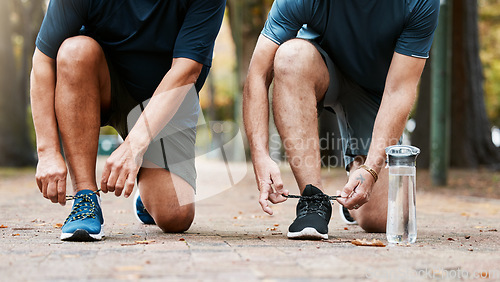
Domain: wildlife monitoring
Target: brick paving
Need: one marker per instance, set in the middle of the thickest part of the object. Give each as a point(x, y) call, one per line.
point(232, 239)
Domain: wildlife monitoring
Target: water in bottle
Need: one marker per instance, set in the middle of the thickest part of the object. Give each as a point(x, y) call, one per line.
point(401, 209)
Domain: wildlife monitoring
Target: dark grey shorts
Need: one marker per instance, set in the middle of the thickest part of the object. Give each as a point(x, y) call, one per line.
point(172, 149)
point(355, 108)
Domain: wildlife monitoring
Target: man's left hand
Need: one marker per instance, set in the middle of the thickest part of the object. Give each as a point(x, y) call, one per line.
point(358, 189)
point(121, 170)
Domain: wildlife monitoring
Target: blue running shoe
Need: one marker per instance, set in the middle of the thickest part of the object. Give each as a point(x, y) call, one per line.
point(140, 211)
point(85, 221)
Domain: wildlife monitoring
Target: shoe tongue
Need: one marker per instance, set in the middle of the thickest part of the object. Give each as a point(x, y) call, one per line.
point(93, 196)
point(311, 190)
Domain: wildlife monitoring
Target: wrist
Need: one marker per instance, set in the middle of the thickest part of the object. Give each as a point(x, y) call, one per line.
point(371, 171)
point(48, 151)
point(137, 144)
point(375, 163)
point(259, 153)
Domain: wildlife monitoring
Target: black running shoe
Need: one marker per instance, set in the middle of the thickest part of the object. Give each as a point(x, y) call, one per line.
point(313, 214)
point(346, 216)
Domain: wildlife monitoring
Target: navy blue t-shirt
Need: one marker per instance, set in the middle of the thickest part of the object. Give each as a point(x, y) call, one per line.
point(360, 36)
point(139, 37)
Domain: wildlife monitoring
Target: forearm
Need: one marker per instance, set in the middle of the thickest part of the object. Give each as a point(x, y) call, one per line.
point(256, 115)
point(42, 94)
point(397, 102)
point(165, 102)
point(389, 126)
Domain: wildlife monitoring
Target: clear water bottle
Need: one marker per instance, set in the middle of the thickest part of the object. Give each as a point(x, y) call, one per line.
point(401, 209)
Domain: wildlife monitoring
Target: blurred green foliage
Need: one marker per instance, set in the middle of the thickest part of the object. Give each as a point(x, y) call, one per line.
point(489, 29)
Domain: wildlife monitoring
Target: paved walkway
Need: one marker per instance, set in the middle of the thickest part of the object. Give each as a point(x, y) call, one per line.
point(232, 239)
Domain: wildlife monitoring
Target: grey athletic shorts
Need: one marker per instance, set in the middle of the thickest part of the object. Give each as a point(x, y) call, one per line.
point(174, 147)
point(355, 108)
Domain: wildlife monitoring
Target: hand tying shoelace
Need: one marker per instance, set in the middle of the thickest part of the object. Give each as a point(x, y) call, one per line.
point(314, 197)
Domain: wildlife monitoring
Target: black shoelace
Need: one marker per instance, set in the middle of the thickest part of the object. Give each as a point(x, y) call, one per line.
point(317, 196)
point(313, 204)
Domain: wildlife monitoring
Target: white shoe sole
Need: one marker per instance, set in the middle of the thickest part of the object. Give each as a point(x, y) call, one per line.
point(82, 235)
point(307, 233)
point(341, 213)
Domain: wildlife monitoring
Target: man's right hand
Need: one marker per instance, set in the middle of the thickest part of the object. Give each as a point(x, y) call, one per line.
point(51, 177)
point(267, 174)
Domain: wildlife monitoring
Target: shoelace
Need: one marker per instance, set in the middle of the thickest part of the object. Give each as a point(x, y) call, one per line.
point(317, 196)
point(71, 197)
point(314, 204)
point(79, 210)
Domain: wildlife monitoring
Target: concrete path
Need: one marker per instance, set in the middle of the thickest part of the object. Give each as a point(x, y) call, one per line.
point(232, 239)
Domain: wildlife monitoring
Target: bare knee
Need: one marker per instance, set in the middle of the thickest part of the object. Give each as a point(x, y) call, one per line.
point(295, 56)
point(79, 53)
point(371, 223)
point(175, 220)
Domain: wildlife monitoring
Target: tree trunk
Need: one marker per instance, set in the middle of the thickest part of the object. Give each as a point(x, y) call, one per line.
point(471, 144)
point(15, 148)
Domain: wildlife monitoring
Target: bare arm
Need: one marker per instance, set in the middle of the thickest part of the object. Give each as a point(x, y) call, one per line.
point(51, 169)
point(256, 119)
point(397, 102)
point(123, 165)
point(255, 96)
point(398, 99)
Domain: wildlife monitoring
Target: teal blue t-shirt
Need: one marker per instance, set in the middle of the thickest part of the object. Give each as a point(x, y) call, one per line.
point(360, 36)
point(140, 37)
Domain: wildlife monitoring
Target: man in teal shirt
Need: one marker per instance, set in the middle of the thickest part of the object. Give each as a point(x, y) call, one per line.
point(361, 59)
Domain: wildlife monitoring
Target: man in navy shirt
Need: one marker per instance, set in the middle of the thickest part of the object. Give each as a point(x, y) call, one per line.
point(136, 65)
point(361, 59)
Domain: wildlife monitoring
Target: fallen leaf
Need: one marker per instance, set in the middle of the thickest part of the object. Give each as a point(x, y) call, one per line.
point(128, 244)
point(345, 228)
point(467, 237)
point(17, 234)
point(471, 250)
point(364, 242)
point(492, 230)
point(451, 239)
point(145, 242)
point(3, 226)
point(38, 220)
point(58, 225)
point(276, 225)
point(182, 239)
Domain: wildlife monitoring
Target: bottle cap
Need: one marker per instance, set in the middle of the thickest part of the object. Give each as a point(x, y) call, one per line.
point(402, 155)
